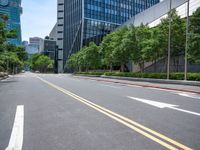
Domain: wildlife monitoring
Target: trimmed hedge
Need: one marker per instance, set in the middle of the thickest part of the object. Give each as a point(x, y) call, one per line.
point(174, 76)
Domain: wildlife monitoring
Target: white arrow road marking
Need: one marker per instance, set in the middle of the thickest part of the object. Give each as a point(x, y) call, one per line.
point(163, 105)
point(195, 96)
point(16, 139)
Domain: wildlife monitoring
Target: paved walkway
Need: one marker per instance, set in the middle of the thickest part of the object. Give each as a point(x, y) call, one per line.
point(184, 88)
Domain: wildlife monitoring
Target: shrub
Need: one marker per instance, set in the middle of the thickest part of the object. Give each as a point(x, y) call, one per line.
point(174, 76)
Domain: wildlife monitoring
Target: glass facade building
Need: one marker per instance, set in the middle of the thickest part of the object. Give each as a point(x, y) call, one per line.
point(13, 9)
point(88, 21)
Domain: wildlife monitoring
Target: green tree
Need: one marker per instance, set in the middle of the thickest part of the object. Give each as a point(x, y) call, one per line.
point(139, 37)
point(43, 63)
point(73, 62)
point(194, 42)
point(10, 62)
point(152, 46)
point(92, 56)
point(177, 36)
point(106, 51)
point(19, 50)
point(121, 52)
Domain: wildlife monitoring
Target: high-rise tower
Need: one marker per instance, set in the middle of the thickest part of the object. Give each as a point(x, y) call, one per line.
point(13, 9)
point(83, 21)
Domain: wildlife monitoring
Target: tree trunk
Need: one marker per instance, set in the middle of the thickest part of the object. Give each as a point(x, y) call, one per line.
point(141, 65)
point(111, 67)
point(155, 67)
point(122, 67)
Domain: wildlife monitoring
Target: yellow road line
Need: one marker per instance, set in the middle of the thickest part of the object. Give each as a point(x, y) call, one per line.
point(125, 121)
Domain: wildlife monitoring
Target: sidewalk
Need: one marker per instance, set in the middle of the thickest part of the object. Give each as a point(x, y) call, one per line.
point(147, 84)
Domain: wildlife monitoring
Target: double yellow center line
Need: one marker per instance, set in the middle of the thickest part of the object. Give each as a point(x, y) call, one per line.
point(147, 132)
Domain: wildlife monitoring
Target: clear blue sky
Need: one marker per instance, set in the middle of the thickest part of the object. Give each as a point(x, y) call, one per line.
point(38, 18)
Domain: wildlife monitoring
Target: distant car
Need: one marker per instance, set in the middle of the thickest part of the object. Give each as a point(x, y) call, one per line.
point(37, 71)
point(23, 71)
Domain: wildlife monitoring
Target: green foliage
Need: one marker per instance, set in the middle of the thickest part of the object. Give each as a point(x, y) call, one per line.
point(194, 46)
point(41, 63)
point(142, 35)
point(87, 58)
point(91, 54)
point(140, 45)
point(9, 61)
point(12, 57)
point(174, 76)
point(106, 50)
point(121, 54)
point(177, 34)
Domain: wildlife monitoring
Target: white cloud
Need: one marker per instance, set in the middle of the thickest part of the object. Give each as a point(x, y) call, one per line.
point(38, 18)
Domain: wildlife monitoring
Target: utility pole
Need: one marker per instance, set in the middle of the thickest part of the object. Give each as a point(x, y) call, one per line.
point(169, 40)
point(187, 39)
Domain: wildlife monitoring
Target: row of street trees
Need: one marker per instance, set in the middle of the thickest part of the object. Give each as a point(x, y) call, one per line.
point(41, 63)
point(140, 45)
point(12, 57)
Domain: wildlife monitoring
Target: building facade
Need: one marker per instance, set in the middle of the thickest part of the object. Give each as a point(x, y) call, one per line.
point(53, 33)
point(160, 11)
point(13, 9)
point(49, 48)
point(83, 21)
point(37, 42)
point(153, 17)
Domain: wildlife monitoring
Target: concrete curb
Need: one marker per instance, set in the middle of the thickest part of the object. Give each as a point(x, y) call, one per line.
point(135, 84)
point(179, 82)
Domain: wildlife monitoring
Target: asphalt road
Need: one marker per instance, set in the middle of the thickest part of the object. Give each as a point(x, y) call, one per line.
point(62, 112)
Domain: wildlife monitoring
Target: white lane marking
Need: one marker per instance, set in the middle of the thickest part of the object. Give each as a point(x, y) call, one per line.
point(153, 103)
point(110, 86)
point(16, 139)
point(195, 96)
point(162, 105)
point(186, 111)
point(160, 89)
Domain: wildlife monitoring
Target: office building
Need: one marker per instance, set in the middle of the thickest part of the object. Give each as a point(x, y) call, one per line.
point(37, 42)
point(49, 48)
point(53, 33)
point(80, 22)
point(152, 17)
point(13, 9)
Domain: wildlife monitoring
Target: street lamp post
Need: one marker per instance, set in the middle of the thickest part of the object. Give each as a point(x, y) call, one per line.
point(169, 40)
point(187, 38)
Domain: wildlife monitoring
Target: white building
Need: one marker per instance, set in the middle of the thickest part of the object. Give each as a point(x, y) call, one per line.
point(153, 15)
point(37, 42)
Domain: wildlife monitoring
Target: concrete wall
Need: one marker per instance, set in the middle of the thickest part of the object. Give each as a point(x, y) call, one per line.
point(154, 12)
point(60, 33)
point(53, 33)
point(161, 66)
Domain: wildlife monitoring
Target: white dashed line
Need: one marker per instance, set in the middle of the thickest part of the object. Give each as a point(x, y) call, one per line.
point(16, 139)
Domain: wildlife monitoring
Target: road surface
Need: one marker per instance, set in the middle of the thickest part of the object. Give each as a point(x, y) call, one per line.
point(62, 112)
